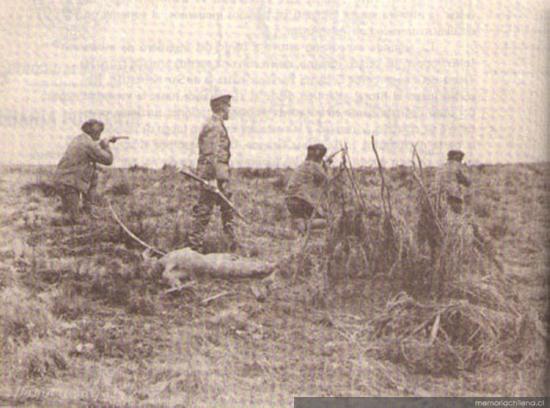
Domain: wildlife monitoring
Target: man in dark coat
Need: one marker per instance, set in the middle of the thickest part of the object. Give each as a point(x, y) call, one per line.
point(76, 172)
point(305, 187)
point(451, 179)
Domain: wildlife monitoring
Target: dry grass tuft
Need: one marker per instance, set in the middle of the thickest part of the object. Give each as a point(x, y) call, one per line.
point(40, 359)
point(121, 188)
point(141, 304)
point(44, 188)
point(453, 336)
point(68, 304)
point(23, 317)
point(30, 345)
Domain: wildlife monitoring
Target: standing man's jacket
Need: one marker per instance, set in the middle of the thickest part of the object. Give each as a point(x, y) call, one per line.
point(307, 182)
point(77, 166)
point(214, 150)
point(451, 179)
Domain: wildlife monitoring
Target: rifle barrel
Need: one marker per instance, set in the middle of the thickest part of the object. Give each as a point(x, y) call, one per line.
point(216, 191)
point(334, 154)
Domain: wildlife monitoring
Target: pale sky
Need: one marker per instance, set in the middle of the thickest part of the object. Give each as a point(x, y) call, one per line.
point(443, 74)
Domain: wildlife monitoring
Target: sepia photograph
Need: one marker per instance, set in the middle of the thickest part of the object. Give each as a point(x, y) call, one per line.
point(274, 203)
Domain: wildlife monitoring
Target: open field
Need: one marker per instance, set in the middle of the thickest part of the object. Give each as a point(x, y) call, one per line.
point(85, 322)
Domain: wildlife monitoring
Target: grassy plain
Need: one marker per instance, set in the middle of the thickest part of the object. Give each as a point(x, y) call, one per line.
point(85, 323)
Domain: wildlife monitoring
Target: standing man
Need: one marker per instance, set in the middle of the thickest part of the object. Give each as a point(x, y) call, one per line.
point(305, 187)
point(213, 166)
point(76, 171)
point(447, 201)
point(451, 179)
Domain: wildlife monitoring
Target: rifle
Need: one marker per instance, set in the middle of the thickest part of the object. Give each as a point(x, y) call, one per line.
point(328, 160)
point(115, 138)
point(216, 191)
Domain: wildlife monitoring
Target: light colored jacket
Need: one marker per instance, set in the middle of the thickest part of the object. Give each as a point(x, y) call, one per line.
point(77, 166)
point(307, 182)
point(451, 180)
point(214, 150)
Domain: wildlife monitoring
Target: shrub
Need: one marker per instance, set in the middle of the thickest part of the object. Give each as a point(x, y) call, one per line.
point(482, 209)
point(141, 305)
point(8, 275)
point(138, 168)
point(40, 359)
point(499, 227)
point(114, 291)
point(254, 173)
point(280, 182)
point(279, 212)
point(42, 187)
point(168, 167)
point(24, 318)
point(69, 305)
point(29, 346)
point(121, 187)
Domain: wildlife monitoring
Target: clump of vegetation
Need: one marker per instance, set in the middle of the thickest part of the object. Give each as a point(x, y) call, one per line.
point(141, 304)
point(280, 182)
point(120, 187)
point(257, 173)
point(40, 359)
point(448, 309)
point(45, 188)
point(138, 168)
point(448, 336)
point(68, 304)
point(168, 167)
point(30, 343)
point(23, 318)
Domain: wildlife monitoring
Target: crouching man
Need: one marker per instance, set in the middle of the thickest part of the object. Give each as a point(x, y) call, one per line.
point(305, 188)
point(76, 172)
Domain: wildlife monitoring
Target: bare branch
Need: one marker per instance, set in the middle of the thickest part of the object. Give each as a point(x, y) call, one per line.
point(383, 187)
point(352, 179)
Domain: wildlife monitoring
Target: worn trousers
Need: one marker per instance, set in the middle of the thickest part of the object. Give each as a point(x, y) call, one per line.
point(299, 208)
point(70, 198)
point(202, 213)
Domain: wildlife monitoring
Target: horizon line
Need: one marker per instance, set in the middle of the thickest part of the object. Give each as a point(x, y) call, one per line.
point(542, 162)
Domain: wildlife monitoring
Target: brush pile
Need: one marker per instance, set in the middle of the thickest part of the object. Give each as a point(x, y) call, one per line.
point(459, 334)
point(449, 309)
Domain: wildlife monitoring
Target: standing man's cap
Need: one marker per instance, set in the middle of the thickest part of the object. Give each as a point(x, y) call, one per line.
point(217, 100)
point(319, 147)
point(89, 125)
point(455, 155)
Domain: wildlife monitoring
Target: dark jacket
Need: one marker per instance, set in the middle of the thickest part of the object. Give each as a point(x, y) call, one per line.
point(77, 166)
point(214, 150)
point(451, 180)
point(307, 182)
